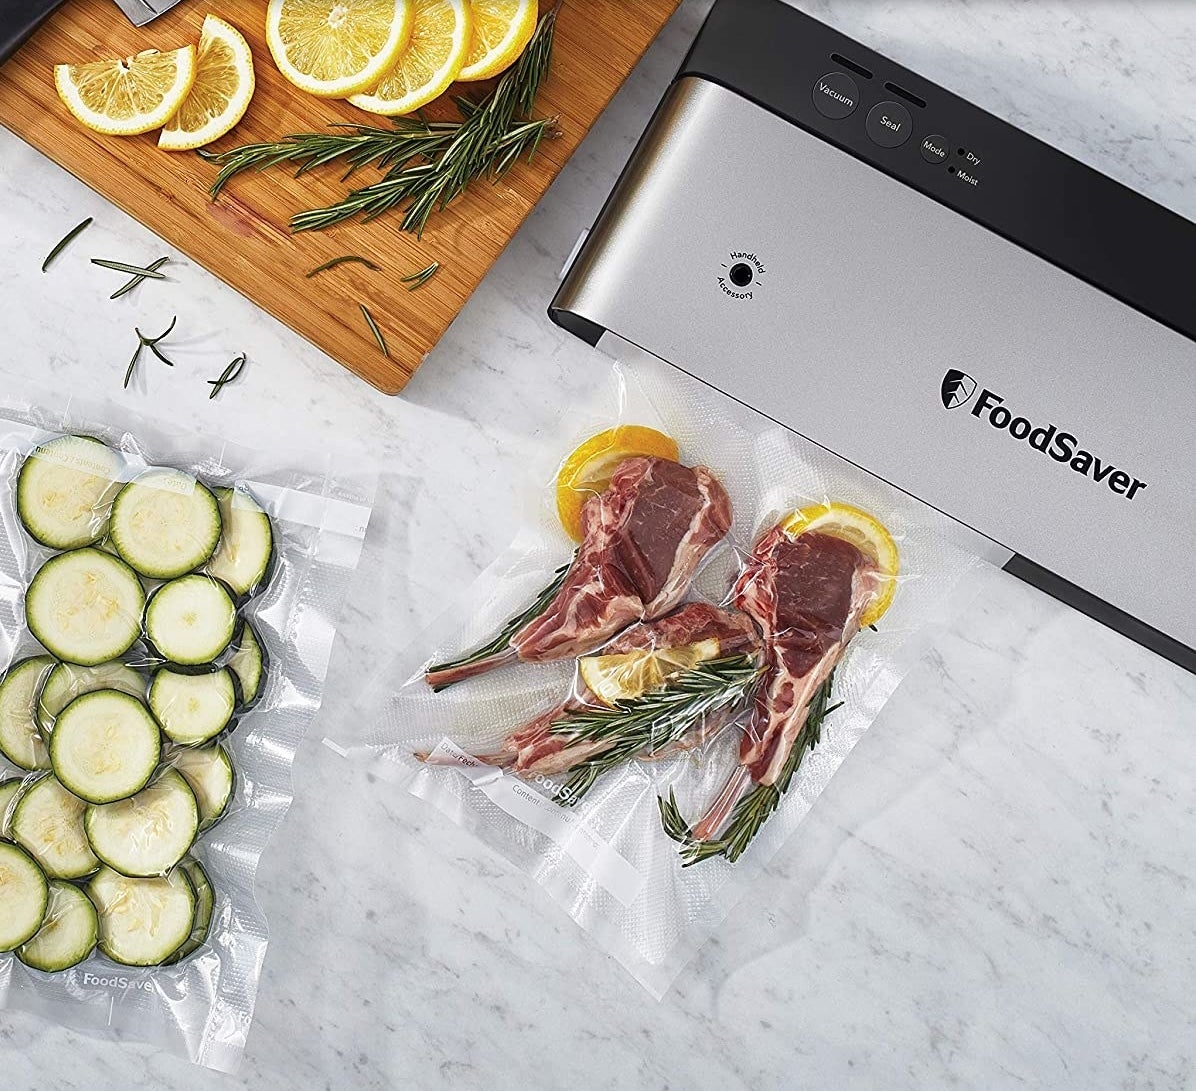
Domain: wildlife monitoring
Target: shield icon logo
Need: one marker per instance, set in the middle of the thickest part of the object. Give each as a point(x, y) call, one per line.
point(958, 388)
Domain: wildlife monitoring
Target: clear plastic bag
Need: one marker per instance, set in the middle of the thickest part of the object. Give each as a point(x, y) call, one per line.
point(597, 838)
point(275, 629)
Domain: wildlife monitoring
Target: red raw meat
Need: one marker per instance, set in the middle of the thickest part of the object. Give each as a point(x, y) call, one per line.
point(807, 595)
point(644, 538)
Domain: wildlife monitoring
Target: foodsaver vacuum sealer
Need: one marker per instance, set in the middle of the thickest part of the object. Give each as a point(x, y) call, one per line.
point(927, 292)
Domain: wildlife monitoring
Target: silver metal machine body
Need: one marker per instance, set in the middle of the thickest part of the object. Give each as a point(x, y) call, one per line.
point(909, 339)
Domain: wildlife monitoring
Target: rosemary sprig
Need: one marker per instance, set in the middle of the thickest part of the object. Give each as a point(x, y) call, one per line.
point(415, 281)
point(755, 808)
point(369, 321)
point(133, 270)
point(431, 186)
point(138, 278)
point(229, 375)
point(500, 643)
point(334, 262)
point(427, 164)
point(150, 343)
point(66, 240)
point(655, 720)
point(358, 146)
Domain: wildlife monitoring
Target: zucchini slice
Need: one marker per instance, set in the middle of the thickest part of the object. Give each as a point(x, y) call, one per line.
point(65, 491)
point(18, 713)
point(10, 792)
point(105, 746)
point(68, 681)
point(205, 902)
point(192, 708)
point(85, 606)
point(208, 771)
point(248, 663)
point(142, 921)
point(24, 896)
point(190, 620)
point(246, 549)
point(149, 833)
point(165, 523)
point(48, 822)
point(67, 935)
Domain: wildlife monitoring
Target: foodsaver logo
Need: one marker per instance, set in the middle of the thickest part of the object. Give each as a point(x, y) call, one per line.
point(116, 982)
point(958, 389)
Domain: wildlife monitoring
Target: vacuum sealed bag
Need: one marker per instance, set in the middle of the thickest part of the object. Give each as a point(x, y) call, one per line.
point(166, 610)
point(640, 700)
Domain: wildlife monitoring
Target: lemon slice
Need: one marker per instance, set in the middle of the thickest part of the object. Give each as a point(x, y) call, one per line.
point(335, 48)
point(627, 675)
point(501, 31)
point(129, 96)
point(440, 38)
point(588, 469)
point(221, 92)
point(866, 533)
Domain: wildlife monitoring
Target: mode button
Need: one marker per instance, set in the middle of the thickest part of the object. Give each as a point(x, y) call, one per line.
point(935, 148)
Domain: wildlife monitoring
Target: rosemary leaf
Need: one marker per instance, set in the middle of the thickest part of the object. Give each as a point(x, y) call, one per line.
point(229, 375)
point(509, 629)
point(150, 343)
point(334, 262)
point(129, 285)
point(66, 240)
point(133, 364)
point(369, 318)
point(415, 281)
point(134, 270)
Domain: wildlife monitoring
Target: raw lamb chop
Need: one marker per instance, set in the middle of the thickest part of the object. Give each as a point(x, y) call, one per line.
point(644, 538)
point(807, 595)
point(536, 748)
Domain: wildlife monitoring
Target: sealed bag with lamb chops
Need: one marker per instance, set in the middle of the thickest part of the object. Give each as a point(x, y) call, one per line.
point(640, 700)
point(167, 605)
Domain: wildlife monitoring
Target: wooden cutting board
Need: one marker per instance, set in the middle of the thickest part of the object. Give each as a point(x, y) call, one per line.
point(243, 238)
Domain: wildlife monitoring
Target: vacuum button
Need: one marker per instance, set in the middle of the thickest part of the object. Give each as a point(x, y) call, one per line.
point(836, 96)
point(889, 124)
point(934, 148)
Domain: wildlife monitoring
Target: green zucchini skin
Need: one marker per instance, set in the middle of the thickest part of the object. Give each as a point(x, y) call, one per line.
point(21, 917)
point(74, 731)
point(69, 908)
point(182, 649)
point(185, 523)
point(248, 638)
point(88, 523)
point(245, 581)
point(65, 633)
point(19, 691)
point(205, 904)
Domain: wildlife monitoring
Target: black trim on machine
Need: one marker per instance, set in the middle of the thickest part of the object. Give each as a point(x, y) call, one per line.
point(590, 332)
point(1099, 610)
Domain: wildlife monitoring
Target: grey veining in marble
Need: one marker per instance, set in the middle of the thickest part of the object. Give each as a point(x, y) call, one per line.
point(999, 888)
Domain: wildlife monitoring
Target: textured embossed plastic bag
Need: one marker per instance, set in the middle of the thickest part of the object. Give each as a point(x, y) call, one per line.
point(597, 844)
point(202, 1006)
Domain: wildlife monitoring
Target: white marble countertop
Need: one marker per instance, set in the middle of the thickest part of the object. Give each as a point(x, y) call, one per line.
point(999, 887)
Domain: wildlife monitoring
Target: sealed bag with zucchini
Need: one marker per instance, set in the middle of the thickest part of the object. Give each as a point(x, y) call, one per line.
point(639, 701)
point(166, 616)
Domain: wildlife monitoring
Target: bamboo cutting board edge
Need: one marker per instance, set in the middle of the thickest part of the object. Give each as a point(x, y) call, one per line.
point(243, 239)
